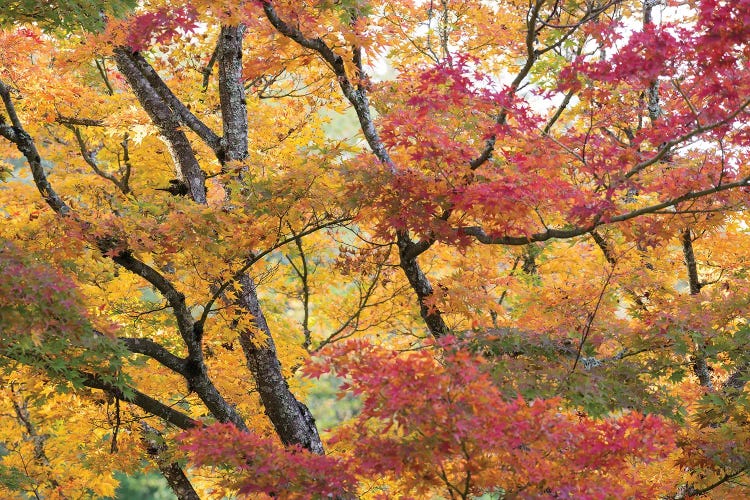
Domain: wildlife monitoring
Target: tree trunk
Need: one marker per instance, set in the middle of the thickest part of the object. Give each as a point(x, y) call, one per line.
point(171, 471)
point(291, 419)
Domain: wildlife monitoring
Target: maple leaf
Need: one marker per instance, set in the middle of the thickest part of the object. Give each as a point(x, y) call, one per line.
point(512, 237)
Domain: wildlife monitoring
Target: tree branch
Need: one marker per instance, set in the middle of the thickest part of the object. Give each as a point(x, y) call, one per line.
point(126, 161)
point(16, 134)
point(147, 403)
point(357, 96)
point(552, 233)
point(738, 379)
point(88, 157)
point(82, 122)
point(164, 92)
point(689, 491)
point(155, 446)
point(157, 352)
point(690, 263)
point(164, 113)
point(292, 420)
point(531, 57)
point(194, 368)
point(175, 298)
point(420, 284)
point(666, 148)
point(20, 406)
point(209, 68)
point(604, 247)
point(255, 257)
point(364, 298)
point(303, 274)
point(197, 377)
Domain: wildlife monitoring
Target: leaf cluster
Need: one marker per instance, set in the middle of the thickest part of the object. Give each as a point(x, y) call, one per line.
point(63, 15)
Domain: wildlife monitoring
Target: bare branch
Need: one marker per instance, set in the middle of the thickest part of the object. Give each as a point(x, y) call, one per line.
point(604, 246)
point(165, 93)
point(558, 113)
point(125, 180)
point(364, 299)
point(175, 298)
point(590, 319)
point(421, 285)
point(100, 66)
point(531, 57)
point(164, 113)
point(81, 122)
point(303, 274)
point(209, 68)
point(689, 491)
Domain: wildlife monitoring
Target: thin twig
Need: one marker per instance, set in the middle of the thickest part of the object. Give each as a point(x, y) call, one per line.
point(590, 321)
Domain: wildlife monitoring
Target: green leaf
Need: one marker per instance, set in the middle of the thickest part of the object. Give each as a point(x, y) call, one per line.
point(63, 15)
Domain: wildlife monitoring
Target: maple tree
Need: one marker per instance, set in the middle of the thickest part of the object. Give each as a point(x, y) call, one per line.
point(524, 261)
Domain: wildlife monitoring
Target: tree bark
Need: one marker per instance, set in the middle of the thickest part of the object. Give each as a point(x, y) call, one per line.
point(195, 371)
point(232, 93)
point(195, 368)
point(16, 134)
point(188, 169)
point(420, 284)
point(171, 471)
point(700, 366)
point(291, 419)
point(690, 263)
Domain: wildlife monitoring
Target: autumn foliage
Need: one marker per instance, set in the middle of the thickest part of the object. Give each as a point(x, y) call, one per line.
point(452, 431)
point(360, 248)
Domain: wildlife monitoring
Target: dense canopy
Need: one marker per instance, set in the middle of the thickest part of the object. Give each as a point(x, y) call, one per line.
point(375, 249)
